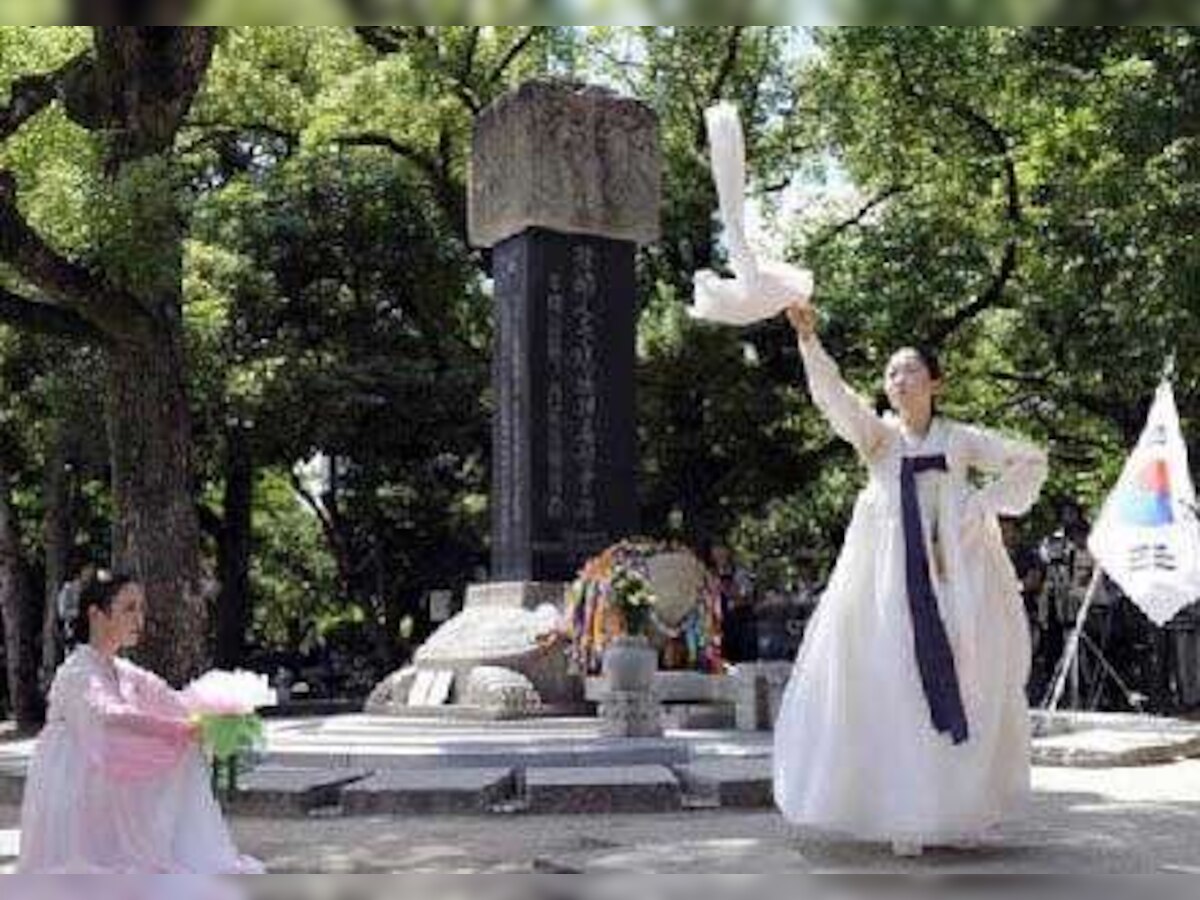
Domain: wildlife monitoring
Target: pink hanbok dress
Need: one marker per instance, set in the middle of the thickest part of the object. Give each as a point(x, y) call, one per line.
point(118, 784)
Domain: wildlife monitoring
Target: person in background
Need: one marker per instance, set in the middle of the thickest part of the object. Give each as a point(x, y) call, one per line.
point(740, 643)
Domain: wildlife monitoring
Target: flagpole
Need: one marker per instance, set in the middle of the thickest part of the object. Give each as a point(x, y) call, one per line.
point(1070, 657)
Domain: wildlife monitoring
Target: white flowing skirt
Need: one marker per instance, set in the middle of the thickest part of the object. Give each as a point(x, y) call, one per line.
point(855, 751)
point(78, 821)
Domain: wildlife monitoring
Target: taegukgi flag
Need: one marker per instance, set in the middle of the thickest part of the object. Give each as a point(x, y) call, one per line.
point(1148, 535)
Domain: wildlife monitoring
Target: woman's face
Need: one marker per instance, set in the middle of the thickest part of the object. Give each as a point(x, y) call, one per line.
point(909, 386)
point(121, 627)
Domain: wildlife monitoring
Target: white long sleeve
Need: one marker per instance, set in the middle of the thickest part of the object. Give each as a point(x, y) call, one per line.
point(848, 413)
point(1020, 469)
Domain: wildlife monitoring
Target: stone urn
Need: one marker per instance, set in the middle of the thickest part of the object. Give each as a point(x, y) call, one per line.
point(630, 662)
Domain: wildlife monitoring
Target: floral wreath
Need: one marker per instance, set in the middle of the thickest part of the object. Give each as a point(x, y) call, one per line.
point(593, 618)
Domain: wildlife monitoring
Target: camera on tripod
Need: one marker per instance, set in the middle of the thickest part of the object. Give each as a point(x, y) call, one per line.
point(1057, 549)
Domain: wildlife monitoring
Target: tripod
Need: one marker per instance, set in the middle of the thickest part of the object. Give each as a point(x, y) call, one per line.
point(1067, 672)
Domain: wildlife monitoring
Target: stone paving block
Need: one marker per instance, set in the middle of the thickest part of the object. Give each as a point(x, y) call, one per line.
point(699, 716)
point(1103, 748)
point(12, 789)
point(429, 792)
point(271, 792)
point(730, 783)
point(10, 844)
point(607, 789)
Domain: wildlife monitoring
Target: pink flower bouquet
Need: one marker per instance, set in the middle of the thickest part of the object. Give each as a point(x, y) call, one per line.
point(225, 706)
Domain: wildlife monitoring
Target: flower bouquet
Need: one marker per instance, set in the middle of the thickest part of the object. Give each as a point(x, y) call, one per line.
point(224, 706)
point(631, 588)
point(633, 599)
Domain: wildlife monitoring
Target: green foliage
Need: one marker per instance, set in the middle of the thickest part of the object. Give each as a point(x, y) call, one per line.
point(226, 738)
point(1095, 124)
point(1025, 199)
point(293, 576)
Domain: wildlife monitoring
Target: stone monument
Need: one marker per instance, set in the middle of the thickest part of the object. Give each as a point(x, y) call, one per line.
point(565, 182)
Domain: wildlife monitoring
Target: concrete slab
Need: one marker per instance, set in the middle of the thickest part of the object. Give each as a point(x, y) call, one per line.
point(10, 844)
point(729, 783)
point(430, 792)
point(273, 792)
point(611, 789)
point(1108, 748)
point(699, 716)
point(12, 789)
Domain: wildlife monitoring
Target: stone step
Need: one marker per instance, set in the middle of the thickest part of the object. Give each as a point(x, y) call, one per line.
point(430, 792)
point(605, 790)
point(475, 755)
point(12, 789)
point(10, 845)
point(276, 792)
point(699, 716)
point(728, 783)
point(1106, 748)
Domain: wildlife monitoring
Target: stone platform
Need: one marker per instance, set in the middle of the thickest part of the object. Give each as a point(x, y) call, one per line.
point(371, 766)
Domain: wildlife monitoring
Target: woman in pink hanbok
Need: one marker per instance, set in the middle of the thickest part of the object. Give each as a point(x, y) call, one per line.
point(118, 783)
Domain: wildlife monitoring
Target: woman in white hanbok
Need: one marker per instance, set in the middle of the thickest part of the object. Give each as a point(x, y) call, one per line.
point(905, 718)
point(118, 784)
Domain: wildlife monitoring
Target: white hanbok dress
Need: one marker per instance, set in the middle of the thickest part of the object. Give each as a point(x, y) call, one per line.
point(856, 751)
point(118, 784)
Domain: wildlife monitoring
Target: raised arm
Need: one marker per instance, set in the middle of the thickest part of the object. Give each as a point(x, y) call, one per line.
point(849, 414)
point(1020, 470)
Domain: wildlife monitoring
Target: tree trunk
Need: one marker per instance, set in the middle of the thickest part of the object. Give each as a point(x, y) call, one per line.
point(234, 546)
point(22, 622)
point(155, 531)
point(145, 81)
point(58, 529)
point(133, 93)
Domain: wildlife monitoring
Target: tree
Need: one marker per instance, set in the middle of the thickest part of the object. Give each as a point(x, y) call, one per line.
point(1039, 183)
point(356, 335)
point(129, 89)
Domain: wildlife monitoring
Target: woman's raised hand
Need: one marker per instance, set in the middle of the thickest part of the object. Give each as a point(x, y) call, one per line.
point(804, 319)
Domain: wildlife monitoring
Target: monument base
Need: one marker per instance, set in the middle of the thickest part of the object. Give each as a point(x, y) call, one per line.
point(630, 714)
point(504, 627)
point(516, 594)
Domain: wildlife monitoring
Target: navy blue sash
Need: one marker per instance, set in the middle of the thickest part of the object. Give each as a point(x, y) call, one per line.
point(935, 658)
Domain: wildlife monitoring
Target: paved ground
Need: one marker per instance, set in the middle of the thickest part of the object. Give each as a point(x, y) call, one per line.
point(1132, 820)
point(1084, 821)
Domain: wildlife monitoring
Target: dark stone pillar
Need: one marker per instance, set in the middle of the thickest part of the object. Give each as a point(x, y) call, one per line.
point(565, 183)
point(564, 445)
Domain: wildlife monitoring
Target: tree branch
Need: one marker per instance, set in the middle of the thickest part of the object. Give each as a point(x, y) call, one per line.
point(42, 318)
point(510, 56)
point(382, 39)
point(32, 94)
point(424, 161)
point(450, 195)
point(1002, 145)
point(985, 301)
point(733, 47)
point(1105, 407)
point(468, 61)
point(70, 286)
point(333, 537)
point(211, 522)
point(863, 211)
